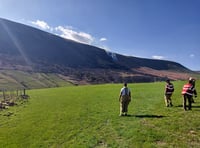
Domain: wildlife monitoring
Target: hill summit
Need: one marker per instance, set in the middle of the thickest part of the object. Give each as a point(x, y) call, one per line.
point(29, 49)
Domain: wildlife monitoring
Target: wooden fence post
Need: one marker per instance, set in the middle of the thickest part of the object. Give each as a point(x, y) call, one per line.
point(4, 97)
point(17, 93)
point(24, 91)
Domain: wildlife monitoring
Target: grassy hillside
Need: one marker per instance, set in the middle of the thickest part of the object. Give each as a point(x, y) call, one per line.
point(87, 116)
point(14, 79)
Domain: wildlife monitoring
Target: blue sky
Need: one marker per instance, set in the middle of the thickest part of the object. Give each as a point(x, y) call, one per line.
point(156, 29)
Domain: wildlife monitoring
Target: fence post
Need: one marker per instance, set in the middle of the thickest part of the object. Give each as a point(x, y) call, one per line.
point(4, 97)
point(24, 91)
point(17, 92)
point(11, 95)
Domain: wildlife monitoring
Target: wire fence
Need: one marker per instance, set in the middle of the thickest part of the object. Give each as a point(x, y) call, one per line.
point(10, 97)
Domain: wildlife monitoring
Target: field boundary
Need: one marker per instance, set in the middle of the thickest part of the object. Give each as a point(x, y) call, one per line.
point(10, 97)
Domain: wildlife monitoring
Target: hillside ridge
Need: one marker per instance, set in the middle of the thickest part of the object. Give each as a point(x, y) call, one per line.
point(29, 49)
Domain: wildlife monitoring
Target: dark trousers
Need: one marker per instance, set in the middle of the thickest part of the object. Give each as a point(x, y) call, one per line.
point(124, 106)
point(124, 102)
point(168, 100)
point(187, 98)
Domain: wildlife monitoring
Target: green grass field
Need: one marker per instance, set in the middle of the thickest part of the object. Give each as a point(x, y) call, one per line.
point(87, 116)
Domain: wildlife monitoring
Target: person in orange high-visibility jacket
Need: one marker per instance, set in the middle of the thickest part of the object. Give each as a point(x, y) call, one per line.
point(124, 99)
point(187, 92)
point(169, 89)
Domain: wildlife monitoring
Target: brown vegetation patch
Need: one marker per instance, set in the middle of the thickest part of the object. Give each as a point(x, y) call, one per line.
point(174, 75)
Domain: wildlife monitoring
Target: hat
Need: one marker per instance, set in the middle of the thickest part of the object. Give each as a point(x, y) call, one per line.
point(190, 79)
point(125, 84)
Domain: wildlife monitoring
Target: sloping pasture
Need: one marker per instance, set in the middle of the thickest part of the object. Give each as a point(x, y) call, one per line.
point(87, 116)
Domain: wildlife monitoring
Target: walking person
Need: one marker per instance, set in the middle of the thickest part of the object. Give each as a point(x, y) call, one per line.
point(124, 99)
point(195, 92)
point(169, 89)
point(187, 92)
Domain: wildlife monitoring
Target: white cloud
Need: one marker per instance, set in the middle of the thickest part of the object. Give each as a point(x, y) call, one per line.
point(104, 47)
point(41, 24)
point(158, 57)
point(69, 33)
point(192, 55)
point(103, 39)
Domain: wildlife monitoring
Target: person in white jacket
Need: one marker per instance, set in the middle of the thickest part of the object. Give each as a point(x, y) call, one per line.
point(124, 99)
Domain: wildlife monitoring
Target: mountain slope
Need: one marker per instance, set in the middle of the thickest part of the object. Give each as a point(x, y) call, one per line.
point(37, 46)
point(29, 49)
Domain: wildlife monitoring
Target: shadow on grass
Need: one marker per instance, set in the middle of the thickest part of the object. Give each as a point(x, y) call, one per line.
point(147, 116)
point(193, 106)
